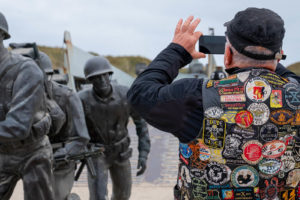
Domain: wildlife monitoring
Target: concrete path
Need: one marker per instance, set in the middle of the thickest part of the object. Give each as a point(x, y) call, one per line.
point(157, 182)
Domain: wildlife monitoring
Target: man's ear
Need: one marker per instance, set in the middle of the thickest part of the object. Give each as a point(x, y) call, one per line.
point(228, 56)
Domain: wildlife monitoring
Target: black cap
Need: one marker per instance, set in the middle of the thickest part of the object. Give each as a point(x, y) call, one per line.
point(257, 27)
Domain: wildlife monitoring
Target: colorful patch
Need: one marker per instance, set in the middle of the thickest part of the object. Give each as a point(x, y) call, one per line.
point(273, 149)
point(244, 118)
point(226, 82)
point(231, 90)
point(204, 152)
point(233, 106)
point(268, 132)
point(233, 98)
point(185, 150)
point(216, 155)
point(195, 157)
point(276, 99)
point(232, 147)
point(289, 194)
point(288, 161)
point(252, 152)
point(209, 83)
point(292, 95)
point(274, 79)
point(281, 117)
point(293, 178)
point(214, 133)
point(270, 191)
point(217, 174)
point(229, 116)
point(296, 121)
point(213, 112)
point(183, 159)
point(244, 194)
point(213, 195)
point(269, 166)
point(260, 112)
point(244, 176)
point(246, 133)
point(287, 130)
point(258, 89)
point(227, 194)
point(243, 76)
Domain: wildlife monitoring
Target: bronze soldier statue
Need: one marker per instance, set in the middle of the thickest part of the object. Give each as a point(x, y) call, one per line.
point(107, 113)
point(72, 138)
point(25, 150)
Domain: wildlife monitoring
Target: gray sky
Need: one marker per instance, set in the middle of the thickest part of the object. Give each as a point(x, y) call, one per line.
point(132, 27)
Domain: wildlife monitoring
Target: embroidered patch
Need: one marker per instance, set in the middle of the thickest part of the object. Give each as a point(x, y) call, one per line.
point(292, 95)
point(258, 89)
point(213, 112)
point(209, 83)
point(217, 174)
point(276, 99)
point(231, 90)
point(214, 133)
point(185, 150)
point(273, 149)
point(244, 176)
point(243, 76)
point(233, 98)
point(293, 178)
point(296, 121)
point(268, 132)
point(233, 106)
point(281, 117)
point(269, 165)
point(288, 161)
point(252, 152)
point(260, 112)
point(232, 147)
point(246, 133)
point(229, 116)
point(199, 188)
point(274, 79)
point(244, 118)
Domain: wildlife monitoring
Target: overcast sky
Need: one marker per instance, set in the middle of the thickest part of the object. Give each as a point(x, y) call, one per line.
point(132, 27)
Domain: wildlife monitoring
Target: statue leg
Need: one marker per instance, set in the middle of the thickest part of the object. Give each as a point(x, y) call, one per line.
point(98, 185)
point(121, 180)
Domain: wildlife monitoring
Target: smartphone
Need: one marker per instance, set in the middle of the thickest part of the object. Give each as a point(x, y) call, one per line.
point(209, 44)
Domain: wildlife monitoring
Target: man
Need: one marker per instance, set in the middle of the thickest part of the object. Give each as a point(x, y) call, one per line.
point(25, 151)
point(237, 134)
point(72, 138)
point(107, 113)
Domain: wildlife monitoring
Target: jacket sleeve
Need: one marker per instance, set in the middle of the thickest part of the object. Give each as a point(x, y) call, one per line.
point(79, 125)
point(164, 105)
point(27, 92)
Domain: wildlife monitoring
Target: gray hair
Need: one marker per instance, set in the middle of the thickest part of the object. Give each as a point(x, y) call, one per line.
point(239, 58)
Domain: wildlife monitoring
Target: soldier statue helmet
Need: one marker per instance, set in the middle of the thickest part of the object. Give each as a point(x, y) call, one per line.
point(4, 26)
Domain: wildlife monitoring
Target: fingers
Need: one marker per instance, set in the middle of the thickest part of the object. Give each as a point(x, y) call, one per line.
point(140, 172)
point(194, 25)
point(187, 23)
point(196, 55)
point(178, 27)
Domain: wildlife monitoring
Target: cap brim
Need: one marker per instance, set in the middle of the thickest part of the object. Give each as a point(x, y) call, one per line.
point(227, 23)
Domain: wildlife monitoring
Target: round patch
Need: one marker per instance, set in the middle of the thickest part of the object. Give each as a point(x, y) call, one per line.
point(185, 150)
point(204, 152)
point(252, 152)
point(273, 149)
point(244, 176)
point(292, 95)
point(258, 89)
point(260, 112)
point(214, 112)
point(268, 132)
point(269, 165)
point(217, 174)
point(244, 118)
